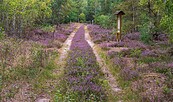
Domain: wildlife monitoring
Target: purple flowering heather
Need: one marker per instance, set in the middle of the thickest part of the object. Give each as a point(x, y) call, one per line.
point(135, 44)
point(45, 38)
point(117, 44)
point(132, 36)
point(112, 54)
point(128, 73)
point(82, 70)
point(99, 34)
point(149, 53)
point(170, 65)
point(104, 45)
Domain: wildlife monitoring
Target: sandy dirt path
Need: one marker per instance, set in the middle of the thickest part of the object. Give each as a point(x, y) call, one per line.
point(112, 81)
point(66, 46)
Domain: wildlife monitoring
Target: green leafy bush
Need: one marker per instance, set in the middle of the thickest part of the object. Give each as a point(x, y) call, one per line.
point(103, 20)
point(82, 17)
point(48, 28)
point(167, 23)
point(145, 33)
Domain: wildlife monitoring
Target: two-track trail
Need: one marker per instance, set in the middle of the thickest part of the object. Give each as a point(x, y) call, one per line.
point(83, 70)
point(82, 73)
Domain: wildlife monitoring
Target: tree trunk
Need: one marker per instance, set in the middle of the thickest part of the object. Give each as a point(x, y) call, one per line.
point(21, 27)
point(7, 23)
point(133, 16)
point(14, 25)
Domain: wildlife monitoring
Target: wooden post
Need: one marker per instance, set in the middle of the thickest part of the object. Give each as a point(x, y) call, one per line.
point(119, 24)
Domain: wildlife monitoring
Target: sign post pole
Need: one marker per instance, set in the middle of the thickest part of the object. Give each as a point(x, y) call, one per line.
point(119, 24)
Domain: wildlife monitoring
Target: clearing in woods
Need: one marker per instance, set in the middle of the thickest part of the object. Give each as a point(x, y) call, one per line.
point(117, 51)
point(85, 71)
point(84, 63)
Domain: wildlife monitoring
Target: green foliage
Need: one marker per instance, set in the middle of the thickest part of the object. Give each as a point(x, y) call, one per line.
point(61, 10)
point(68, 97)
point(80, 62)
point(65, 11)
point(18, 15)
point(168, 20)
point(71, 96)
point(154, 11)
point(92, 9)
point(145, 34)
point(149, 60)
point(73, 15)
point(103, 20)
point(48, 28)
point(1, 33)
point(167, 24)
point(135, 53)
point(106, 6)
point(132, 11)
point(166, 90)
point(165, 71)
point(82, 17)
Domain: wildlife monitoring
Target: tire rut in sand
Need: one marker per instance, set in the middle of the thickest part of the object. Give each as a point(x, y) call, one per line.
point(61, 59)
point(112, 81)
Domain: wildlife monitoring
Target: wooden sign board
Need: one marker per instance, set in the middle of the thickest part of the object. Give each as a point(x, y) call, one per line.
point(119, 24)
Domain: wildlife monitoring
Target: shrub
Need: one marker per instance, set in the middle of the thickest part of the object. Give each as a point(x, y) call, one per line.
point(145, 33)
point(82, 17)
point(48, 28)
point(167, 23)
point(103, 20)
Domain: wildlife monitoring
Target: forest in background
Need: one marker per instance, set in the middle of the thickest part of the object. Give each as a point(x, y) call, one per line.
point(150, 17)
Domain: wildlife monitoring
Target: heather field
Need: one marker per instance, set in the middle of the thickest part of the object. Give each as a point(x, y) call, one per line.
point(27, 64)
point(145, 71)
point(84, 63)
point(86, 50)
